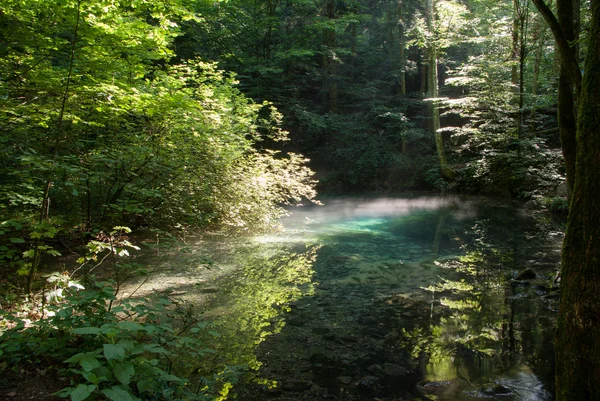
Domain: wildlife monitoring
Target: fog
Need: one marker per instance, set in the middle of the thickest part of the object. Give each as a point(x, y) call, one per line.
point(353, 208)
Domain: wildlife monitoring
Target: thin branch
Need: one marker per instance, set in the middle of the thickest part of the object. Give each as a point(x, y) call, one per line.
point(567, 55)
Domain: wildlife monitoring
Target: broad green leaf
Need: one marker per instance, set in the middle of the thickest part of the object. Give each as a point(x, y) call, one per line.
point(155, 348)
point(118, 393)
point(64, 393)
point(124, 372)
point(17, 240)
point(86, 330)
point(91, 377)
point(89, 362)
point(129, 325)
point(75, 358)
point(170, 378)
point(114, 351)
point(82, 392)
point(144, 385)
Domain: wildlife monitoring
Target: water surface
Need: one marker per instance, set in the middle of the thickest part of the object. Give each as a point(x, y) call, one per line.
point(381, 299)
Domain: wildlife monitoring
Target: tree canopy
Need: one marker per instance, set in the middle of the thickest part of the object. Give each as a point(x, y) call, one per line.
point(215, 115)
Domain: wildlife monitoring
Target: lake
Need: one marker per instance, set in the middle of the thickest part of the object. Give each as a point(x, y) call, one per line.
point(439, 298)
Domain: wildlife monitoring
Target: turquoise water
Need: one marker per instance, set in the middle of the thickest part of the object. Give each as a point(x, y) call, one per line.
point(383, 299)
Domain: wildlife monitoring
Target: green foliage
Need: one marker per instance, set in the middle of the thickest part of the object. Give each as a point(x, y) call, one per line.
point(99, 129)
point(556, 204)
point(121, 137)
point(135, 357)
point(121, 349)
point(145, 356)
point(532, 171)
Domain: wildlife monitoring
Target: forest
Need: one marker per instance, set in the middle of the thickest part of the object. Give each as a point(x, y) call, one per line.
point(132, 127)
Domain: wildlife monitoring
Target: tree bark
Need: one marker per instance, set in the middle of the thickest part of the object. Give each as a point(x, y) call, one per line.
point(514, 74)
point(432, 92)
point(329, 64)
point(540, 33)
point(401, 55)
point(578, 328)
point(567, 123)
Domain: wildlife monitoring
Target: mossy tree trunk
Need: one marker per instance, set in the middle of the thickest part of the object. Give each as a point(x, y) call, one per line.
point(567, 123)
point(401, 45)
point(432, 93)
point(578, 331)
point(329, 62)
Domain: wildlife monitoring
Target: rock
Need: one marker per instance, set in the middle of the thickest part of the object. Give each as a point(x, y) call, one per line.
point(501, 390)
point(296, 385)
point(552, 296)
point(320, 330)
point(443, 389)
point(368, 386)
point(497, 390)
point(367, 320)
point(527, 274)
point(319, 357)
point(375, 369)
point(561, 190)
point(391, 369)
point(344, 379)
point(349, 339)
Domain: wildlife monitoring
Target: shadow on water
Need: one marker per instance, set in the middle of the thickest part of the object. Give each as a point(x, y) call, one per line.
point(389, 299)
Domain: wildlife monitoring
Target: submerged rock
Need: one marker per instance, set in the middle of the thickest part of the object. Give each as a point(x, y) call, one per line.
point(391, 369)
point(296, 385)
point(527, 274)
point(375, 369)
point(320, 330)
point(367, 320)
point(369, 386)
point(449, 389)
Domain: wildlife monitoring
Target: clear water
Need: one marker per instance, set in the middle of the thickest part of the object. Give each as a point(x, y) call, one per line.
point(380, 299)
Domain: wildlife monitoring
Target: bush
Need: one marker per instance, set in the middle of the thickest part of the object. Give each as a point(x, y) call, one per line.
point(127, 350)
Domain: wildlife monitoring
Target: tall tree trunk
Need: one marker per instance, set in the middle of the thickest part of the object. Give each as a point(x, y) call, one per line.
point(268, 38)
point(514, 73)
point(563, 29)
point(353, 49)
point(432, 92)
point(423, 88)
point(524, 19)
point(567, 123)
point(578, 328)
point(329, 63)
point(540, 33)
point(401, 54)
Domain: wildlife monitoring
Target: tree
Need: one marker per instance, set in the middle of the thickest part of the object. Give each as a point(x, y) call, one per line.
point(577, 338)
point(432, 90)
point(100, 129)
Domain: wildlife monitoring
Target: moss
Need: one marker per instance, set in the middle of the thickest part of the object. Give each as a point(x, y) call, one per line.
point(578, 328)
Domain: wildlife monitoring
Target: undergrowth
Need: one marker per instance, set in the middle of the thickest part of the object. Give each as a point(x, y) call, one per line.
point(105, 348)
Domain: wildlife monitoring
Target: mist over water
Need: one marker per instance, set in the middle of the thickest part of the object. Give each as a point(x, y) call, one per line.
point(336, 210)
point(384, 298)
